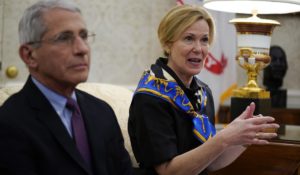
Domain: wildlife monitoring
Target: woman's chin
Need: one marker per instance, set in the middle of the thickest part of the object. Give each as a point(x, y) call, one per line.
point(195, 71)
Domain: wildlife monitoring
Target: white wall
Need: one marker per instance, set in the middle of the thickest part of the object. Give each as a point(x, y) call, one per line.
point(126, 41)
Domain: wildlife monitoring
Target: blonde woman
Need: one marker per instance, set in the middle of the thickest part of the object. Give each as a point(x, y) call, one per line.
point(171, 122)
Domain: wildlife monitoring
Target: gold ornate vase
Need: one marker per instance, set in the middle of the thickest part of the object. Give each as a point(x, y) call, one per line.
point(254, 39)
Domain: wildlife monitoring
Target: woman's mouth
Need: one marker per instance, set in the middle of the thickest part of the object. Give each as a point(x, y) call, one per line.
point(194, 60)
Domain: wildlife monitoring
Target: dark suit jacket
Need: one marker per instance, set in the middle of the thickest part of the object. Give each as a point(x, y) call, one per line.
point(34, 141)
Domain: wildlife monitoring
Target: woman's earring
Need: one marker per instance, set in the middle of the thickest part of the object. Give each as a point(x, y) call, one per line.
point(167, 51)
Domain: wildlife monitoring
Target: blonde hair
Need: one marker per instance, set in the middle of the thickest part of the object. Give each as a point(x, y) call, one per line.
point(178, 19)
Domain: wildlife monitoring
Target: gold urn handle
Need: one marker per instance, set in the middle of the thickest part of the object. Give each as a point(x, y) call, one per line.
point(12, 71)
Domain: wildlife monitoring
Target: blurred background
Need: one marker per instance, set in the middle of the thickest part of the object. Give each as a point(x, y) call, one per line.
point(126, 43)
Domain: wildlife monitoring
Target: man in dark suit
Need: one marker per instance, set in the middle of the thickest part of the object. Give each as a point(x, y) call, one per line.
point(38, 131)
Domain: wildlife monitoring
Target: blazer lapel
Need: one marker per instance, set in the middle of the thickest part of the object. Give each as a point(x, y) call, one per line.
point(47, 115)
point(95, 135)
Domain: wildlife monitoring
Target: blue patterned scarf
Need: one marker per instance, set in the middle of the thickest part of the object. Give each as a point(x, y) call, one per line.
point(170, 91)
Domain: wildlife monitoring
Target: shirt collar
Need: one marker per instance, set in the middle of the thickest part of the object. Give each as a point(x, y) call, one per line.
point(162, 62)
point(57, 101)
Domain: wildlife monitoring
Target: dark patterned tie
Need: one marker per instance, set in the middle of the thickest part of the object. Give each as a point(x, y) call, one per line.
point(79, 132)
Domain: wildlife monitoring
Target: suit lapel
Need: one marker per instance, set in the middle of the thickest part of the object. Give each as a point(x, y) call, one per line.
point(92, 119)
point(47, 115)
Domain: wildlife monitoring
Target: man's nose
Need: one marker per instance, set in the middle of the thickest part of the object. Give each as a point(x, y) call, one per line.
point(80, 45)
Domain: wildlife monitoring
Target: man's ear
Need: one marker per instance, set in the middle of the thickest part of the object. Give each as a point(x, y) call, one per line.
point(26, 53)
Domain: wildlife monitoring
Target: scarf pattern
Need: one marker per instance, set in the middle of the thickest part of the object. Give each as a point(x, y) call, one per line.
point(170, 91)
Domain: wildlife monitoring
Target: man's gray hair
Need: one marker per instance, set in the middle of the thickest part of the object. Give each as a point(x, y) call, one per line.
point(31, 25)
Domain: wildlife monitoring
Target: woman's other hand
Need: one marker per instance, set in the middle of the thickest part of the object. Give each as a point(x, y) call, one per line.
point(248, 129)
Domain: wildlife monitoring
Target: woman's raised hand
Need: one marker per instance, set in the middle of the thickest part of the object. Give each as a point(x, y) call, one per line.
point(248, 129)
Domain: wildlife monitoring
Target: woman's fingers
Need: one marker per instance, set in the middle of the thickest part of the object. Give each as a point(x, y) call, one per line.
point(248, 112)
point(260, 138)
point(264, 135)
point(260, 142)
point(265, 126)
point(248, 129)
point(257, 130)
point(261, 119)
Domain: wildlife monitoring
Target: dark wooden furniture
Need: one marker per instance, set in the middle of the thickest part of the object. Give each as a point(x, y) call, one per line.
point(277, 158)
point(282, 115)
point(280, 157)
point(286, 116)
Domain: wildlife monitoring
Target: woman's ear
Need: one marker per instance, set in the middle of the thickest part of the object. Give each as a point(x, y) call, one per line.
point(167, 49)
point(26, 53)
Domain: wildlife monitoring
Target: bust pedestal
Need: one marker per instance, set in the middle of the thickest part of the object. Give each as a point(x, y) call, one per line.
point(238, 105)
point(278, 98)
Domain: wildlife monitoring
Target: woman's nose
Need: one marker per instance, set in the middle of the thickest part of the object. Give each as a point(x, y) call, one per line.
point(197, 47)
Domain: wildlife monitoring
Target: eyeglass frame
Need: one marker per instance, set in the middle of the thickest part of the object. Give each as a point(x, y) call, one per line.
point(58, 40)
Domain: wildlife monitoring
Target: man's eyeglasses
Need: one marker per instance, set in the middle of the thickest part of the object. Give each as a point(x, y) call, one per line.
point(67, 39)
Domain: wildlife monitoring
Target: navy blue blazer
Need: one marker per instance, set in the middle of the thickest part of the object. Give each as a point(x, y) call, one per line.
point(33, 140)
